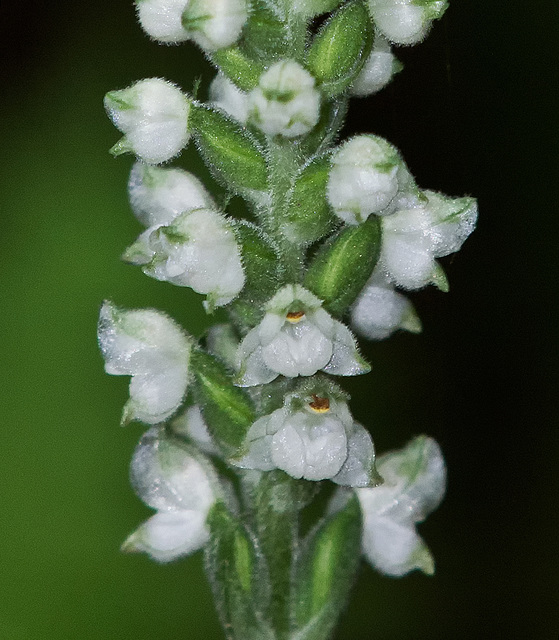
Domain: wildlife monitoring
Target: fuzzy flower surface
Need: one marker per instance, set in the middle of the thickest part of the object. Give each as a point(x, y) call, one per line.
point(406, 21)
point(297, 337)
point(153, 115)
point(153, 349)
point(414, 485)
point(181, 485)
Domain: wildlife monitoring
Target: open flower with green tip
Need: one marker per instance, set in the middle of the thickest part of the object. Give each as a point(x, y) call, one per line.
point(182, 486)
point(153, 349)
point(414, 485)
point(406, 21)
point(297, 337)
point(153, 115)
point(313, 436)
point(412, 238)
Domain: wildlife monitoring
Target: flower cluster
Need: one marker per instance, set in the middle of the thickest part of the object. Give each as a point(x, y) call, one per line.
point(247, 421)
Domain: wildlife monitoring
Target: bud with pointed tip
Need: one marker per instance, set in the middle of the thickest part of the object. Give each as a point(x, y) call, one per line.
point(380, 310)
point(150, 347)
point(412, 239)
point(285, 102)
point(182, 486)
point(414, 485)
point(297, 338)
point(379, 69)
point(153, 115)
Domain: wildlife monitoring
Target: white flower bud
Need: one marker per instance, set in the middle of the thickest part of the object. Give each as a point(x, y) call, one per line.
point(153, 115)
point(150, 347)
point(297, 338)
point(159, 195)
point(182, 486)
point(198, 250)
point(414, 485)
point(380, 310)
point(363, 178)
point(286, 101)
point(314, 440)
point(191, 424)
point(162, 19)
point(227, 97)
point(214, 24)
point(378, 70)
point(413, 238)
point(406, 21)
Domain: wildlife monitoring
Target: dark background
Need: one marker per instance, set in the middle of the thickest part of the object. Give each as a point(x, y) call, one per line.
point(474, 112)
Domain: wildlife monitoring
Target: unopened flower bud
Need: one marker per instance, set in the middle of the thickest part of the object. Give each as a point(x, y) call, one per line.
point(191, 425)
point(214, 24)
point(363, 178)
point(285, 102)
point(379, 69)
point(153, 115)
point(150, 347)
point(414, 485)
point(225, 95)
point(406, 21)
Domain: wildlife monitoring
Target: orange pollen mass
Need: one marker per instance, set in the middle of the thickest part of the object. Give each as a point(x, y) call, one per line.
point(319, 405)
point(295, 316)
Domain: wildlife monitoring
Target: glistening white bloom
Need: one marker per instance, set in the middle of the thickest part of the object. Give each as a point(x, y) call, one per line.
point(198, 250)
point(406, 21)
point(412, 238)
point(226, 96)
point(414, 485)
point(297, 337)
point(181, 485)
point(158, 195)
point(380, 310)
point(152, 348)
point(314, 439)
point(364, 178)
point(212, 24)
point(286, 101)
point(153, 115)
point(379, 69)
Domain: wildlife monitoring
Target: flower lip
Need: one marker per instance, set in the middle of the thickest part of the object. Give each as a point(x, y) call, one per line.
point(319, 405)
point(295, 316)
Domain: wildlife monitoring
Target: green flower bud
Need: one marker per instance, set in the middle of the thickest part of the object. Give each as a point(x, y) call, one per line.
point(230, 152)
point(341, 47)
point(227, 409)
point(342, 266)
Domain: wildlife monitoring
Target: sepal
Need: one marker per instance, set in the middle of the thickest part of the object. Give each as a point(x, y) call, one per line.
point(406, 21)
point(379, 69)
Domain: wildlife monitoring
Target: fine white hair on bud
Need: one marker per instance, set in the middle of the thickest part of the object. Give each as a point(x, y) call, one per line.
point(286, 101)
point(158, 195)
point(297, 337)
point(214, 24)
point(379, 69)
point(363, 178)
point(380, 310)
point(227, 97)
point(414, 485)
point(314, 440)
point(153, 115)
point(153, 349)
point(182, 486)
point(406, 21)
point(162, 19)
point(412, 238)
point(198, 250)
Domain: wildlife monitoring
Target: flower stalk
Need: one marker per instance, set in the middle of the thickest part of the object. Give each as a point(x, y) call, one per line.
point(250, 423)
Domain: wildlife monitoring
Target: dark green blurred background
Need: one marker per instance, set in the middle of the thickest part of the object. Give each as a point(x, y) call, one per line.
point(476, 112)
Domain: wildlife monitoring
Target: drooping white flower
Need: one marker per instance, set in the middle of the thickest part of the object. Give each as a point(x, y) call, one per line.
point(158, 195)
point(153, 349)
point(406, 21)
point(380, 310)
point(379, 69)
point(297, 337)
point(414, 485)
point(198, 250)
point(153, 115)
point(226, 96)
point(182, 486)
point(313, 438)
point(191, 424)
point(412, 238)
point(364, 178)
point(286, 101)
point(212, 24)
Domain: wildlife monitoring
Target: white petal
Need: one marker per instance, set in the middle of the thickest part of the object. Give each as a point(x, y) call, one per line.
point(402, 22)
point(225, 95)
point(161, 19)
point(357, 470)
point(214, 24)
point(345, 360)
point(192, 425)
